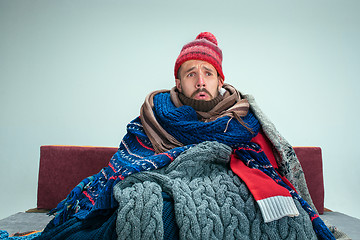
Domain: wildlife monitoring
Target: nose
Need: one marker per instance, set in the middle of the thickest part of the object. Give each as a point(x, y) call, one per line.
point(200, 82)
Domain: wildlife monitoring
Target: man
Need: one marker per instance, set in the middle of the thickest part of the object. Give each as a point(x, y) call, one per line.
point(182, 148)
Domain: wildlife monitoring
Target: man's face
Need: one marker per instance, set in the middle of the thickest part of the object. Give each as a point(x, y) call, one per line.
point(198, 80)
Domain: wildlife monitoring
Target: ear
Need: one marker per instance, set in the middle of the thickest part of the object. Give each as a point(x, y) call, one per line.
point(221, 82)
point(178, 85)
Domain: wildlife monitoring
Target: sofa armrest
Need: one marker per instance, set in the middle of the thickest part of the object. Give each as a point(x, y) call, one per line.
point(63, 167)
point(311, 161)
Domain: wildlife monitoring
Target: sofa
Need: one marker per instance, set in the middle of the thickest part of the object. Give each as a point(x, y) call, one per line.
point(63, 167)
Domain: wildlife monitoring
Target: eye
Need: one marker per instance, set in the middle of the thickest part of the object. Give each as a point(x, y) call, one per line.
point(190, 75)
point(209, 74)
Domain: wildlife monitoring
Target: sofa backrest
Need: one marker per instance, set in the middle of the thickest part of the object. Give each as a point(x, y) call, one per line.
point(63, 167)
point(311, 161)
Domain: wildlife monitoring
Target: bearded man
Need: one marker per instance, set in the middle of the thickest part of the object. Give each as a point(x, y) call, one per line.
point(201, 162)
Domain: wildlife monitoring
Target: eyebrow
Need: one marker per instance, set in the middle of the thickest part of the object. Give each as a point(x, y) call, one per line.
point(208, 69)
point(189, 70)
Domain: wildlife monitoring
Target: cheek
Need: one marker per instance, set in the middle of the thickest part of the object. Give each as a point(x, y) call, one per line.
point(187, 89)
point(185, 86)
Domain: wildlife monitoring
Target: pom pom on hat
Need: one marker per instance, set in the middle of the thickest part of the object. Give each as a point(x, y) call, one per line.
point(205, 48)
point(208, 36)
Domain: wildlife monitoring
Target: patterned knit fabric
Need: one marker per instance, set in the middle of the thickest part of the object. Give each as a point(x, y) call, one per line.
point(94, 194)
point(254, 157)
point(136, 154)
point(289, 165)
point(183, 124)
point(205, 48)
point(210, 201)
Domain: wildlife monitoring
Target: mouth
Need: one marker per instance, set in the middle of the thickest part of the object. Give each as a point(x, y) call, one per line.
point(201, 94)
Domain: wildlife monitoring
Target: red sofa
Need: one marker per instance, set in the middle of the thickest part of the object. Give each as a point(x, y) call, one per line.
point(63, 167)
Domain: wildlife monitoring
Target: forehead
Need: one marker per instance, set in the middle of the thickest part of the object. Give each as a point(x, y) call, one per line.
point(191, 64)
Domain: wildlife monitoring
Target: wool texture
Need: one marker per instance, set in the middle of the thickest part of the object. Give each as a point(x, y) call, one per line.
point(289, 165)
point(94, 195)
point(253, 157)
point(101, 227)
point(205, 48)
point(140, 212)
point(183, 124)
point(210, 201)
point(233, 106)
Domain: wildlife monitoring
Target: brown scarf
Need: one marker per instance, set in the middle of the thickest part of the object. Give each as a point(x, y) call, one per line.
point(232, 105)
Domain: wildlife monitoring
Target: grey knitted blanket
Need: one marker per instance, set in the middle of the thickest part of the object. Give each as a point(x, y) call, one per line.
point(210, 202)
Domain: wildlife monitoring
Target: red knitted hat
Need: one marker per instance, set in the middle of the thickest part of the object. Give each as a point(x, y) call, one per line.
point(205, 48)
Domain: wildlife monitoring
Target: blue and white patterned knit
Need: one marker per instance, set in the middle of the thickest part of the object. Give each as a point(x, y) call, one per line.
point(94, 194)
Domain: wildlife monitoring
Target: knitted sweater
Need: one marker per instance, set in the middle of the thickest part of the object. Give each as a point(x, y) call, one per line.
point(210, 201)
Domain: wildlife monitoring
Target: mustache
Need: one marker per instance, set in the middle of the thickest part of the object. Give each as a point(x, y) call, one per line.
point(201, 90)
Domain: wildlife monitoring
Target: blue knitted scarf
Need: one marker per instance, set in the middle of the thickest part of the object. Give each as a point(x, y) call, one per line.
point(183, 124)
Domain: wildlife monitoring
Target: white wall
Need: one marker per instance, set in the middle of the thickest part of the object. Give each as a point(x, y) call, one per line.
point(75, 72)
